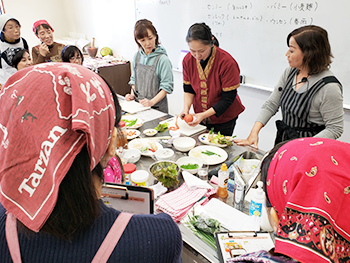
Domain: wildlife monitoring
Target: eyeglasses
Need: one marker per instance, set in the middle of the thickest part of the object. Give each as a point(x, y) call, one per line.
point(73, 59)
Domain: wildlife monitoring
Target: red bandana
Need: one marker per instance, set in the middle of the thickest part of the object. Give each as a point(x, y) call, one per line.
point(308, 184)
point(48, 112)
point(41, 22)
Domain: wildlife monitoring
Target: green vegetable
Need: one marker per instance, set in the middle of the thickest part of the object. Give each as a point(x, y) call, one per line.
point(211, 131)
point(209, 153)
point(144, 149)
point(204, 228)
point(189, 166)
point(162, 127)
point(130, 123)
point(165, 173)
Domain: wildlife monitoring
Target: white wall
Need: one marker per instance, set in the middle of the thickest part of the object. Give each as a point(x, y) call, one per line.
point(111, 22)
point(29, 11)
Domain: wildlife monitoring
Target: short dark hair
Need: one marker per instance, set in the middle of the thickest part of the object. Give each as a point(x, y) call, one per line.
point(200, 32)
point(18, 57)
point(313, 42)
point(69, 52)
point(140, 30)
point(14, 20)
point(44, 26)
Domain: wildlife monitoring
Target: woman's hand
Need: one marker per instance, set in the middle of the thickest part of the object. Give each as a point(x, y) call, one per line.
point(129, 97)
point(44, 50)
point(146, 103)
point(253, 137)
point(197, 118)
point(183, 113)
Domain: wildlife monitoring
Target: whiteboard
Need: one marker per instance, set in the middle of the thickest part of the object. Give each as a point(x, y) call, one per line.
point(254, 32)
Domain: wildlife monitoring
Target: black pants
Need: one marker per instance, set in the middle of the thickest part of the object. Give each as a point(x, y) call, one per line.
point(224, 128)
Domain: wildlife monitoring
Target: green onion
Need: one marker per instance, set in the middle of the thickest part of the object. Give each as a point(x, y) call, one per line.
point(189, 166)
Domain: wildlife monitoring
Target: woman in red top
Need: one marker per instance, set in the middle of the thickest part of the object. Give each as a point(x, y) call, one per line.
point(211, 78)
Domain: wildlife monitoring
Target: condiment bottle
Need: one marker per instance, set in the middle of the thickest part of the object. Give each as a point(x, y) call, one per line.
point(256, 204)
point(122, 139)
point(129, 168)
point(223, 180)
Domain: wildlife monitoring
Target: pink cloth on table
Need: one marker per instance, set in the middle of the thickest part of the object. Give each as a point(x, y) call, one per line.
point(177, 203)
point(113, 172)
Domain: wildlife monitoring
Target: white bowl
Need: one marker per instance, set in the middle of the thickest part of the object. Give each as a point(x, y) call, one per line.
point(150, 132)
point(184, 144)
point(131, 155)
point(164, 154)
point(190, 160)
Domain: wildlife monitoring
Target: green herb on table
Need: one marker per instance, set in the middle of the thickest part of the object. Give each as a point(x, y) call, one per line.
point(189, 166)
point(162, 127)
point(129, 123)
point(209, 153)
point(204, 228)
point(165, 173)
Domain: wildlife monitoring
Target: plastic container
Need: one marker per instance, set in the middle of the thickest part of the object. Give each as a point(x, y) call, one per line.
point(257, 202)
point(140, 178)
point(129, 168)
point(223, 180)
point(122, 137)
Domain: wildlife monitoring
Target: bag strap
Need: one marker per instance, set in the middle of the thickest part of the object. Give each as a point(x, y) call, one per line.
point(102, 254)
point(112, 238)
point(12, 238)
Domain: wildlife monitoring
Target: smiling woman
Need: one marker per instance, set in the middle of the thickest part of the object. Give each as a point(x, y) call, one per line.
point(48, 50)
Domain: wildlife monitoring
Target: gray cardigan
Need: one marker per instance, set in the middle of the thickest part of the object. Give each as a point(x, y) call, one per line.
point(326, 107)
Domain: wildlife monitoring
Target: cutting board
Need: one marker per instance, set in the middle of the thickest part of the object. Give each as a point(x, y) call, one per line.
point(184, 128)
point(132, 106)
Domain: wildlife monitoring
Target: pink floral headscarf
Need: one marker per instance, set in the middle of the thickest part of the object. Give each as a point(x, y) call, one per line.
point(48, 112)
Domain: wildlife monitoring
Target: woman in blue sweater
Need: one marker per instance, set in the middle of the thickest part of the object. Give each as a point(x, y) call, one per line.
point(51, 178)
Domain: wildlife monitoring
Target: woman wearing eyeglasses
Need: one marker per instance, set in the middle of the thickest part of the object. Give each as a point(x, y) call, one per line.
point(72, 54)
point(309, 95)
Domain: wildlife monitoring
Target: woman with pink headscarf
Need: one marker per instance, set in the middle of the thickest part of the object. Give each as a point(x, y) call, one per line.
point(307, 183)
point(54, 144)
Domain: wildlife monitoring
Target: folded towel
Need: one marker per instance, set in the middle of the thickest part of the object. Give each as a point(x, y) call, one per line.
point(178, 202)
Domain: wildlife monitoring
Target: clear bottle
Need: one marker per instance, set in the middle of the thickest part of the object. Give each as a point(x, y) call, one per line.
point(223, 180)
point(122, 139)
point(257, 202)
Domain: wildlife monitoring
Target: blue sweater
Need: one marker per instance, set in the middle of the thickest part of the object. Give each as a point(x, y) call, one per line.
point(147, 238)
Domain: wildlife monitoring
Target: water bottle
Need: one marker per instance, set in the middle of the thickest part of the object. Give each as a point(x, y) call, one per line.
point(258, 199)
point(223, 180)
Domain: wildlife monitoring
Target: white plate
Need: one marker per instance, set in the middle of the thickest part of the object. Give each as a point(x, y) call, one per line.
point(140, 143)
point(138, 123)
point(150, 132)
point(212, 159)
point(203, 138)
point(131, 134)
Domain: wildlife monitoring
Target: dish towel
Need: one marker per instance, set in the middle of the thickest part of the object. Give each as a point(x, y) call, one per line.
point(178, 202)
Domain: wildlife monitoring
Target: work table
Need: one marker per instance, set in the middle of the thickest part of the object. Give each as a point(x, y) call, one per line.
point(144, 163)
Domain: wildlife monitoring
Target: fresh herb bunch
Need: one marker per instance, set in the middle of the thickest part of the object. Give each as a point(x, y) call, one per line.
point(162, 127)
point(129, 123)
point(204, 228)
point(165, 173)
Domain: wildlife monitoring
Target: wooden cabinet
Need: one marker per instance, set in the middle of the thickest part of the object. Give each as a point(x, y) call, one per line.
point(117, 76)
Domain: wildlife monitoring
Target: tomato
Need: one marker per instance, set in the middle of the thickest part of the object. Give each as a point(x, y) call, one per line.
point(188, 118)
